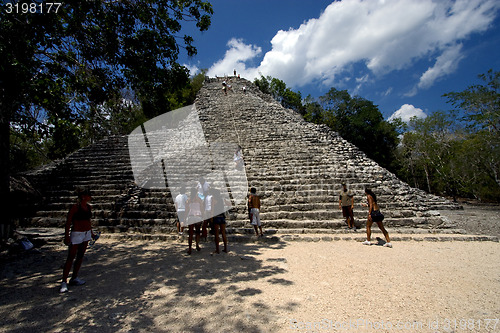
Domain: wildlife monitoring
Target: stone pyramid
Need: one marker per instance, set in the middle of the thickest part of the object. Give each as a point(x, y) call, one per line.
point(297, 168)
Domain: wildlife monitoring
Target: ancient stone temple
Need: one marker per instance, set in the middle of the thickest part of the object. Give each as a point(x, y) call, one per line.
point(297, 168)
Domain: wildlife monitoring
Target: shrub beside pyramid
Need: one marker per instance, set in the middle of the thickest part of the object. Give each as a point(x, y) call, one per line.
point(297, 168)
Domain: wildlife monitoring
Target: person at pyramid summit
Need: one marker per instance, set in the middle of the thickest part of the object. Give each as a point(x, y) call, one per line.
point(77, 234)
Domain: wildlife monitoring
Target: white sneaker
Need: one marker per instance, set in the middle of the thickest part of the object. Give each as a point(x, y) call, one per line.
point(64, 287)
point(388, 245)
point(367, 243)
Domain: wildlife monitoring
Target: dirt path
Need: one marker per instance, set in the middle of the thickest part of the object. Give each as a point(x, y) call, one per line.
point(284, 287)
point(146, 286)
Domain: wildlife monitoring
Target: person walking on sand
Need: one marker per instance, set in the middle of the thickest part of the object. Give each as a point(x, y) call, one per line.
point(254, 206)
point(219, 220)
point(78, 220)
point(346, 204)
point(194, 205)
point(374, 215)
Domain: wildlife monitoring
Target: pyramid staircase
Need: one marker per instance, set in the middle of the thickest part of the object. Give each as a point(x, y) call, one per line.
point(297, 168)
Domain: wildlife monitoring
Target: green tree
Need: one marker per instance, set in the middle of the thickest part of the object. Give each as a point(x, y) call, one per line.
point(481, 105)
point(70, 62)
point(429, 149)
point(281, 93)
point(441, 155)
point(293, 100)
point(481, 102)
point(360, 122)
point(313, 112)
point(263, 84)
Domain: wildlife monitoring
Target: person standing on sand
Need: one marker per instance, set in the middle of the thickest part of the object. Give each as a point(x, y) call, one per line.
point(207, 215)
point(346, 204)
point(254, 206)
point(194, 206)
point(180, 207)
point(374, 215)
point(78, 221)
point(219, 221)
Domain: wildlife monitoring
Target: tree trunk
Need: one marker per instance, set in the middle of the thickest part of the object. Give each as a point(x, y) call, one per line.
point(427, 178)
point(6, 228)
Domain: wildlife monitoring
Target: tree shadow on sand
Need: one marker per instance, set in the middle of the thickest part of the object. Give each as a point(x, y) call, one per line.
point(143, 286)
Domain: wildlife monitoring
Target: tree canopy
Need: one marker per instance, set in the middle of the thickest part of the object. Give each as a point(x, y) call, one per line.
point(457, 153)
point(58, 69)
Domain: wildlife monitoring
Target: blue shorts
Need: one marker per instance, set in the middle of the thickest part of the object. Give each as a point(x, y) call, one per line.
point(220, 219)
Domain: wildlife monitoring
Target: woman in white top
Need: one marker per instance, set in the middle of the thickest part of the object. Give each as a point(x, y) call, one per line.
point(194, 206)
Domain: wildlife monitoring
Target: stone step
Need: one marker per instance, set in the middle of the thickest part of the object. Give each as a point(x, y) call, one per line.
point(271, 231)
point(376, 239)
point(56, 235)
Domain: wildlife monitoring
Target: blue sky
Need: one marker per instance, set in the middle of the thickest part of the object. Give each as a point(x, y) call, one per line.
point(401, 54)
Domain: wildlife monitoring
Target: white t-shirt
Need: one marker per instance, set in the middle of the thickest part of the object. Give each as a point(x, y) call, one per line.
point(180, 201)
point(208, 203)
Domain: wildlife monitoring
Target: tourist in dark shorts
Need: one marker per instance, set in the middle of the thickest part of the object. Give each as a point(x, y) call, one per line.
point(219, 220)
point(194, 218)
point(346, 203)
point(374, 215)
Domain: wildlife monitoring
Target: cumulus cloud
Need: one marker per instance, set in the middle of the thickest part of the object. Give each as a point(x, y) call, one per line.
point(406, 112)
point(446, 63)
point(382, 36)
point(193, 69)
point(235, 58)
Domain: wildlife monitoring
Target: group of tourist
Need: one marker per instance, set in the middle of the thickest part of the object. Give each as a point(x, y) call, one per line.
point(204, 208)
point(226, 84)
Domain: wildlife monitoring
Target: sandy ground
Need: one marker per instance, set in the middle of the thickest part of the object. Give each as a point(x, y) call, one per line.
point(147, 286)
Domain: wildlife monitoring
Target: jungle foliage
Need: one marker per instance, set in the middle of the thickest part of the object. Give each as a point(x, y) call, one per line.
point(90, 69)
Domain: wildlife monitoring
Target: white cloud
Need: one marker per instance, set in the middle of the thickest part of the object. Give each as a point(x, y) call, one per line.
point(193, 69)
point(235, 58)
point(387, 92)
point(445, 64)
point(383, 36)
point(406, 112)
